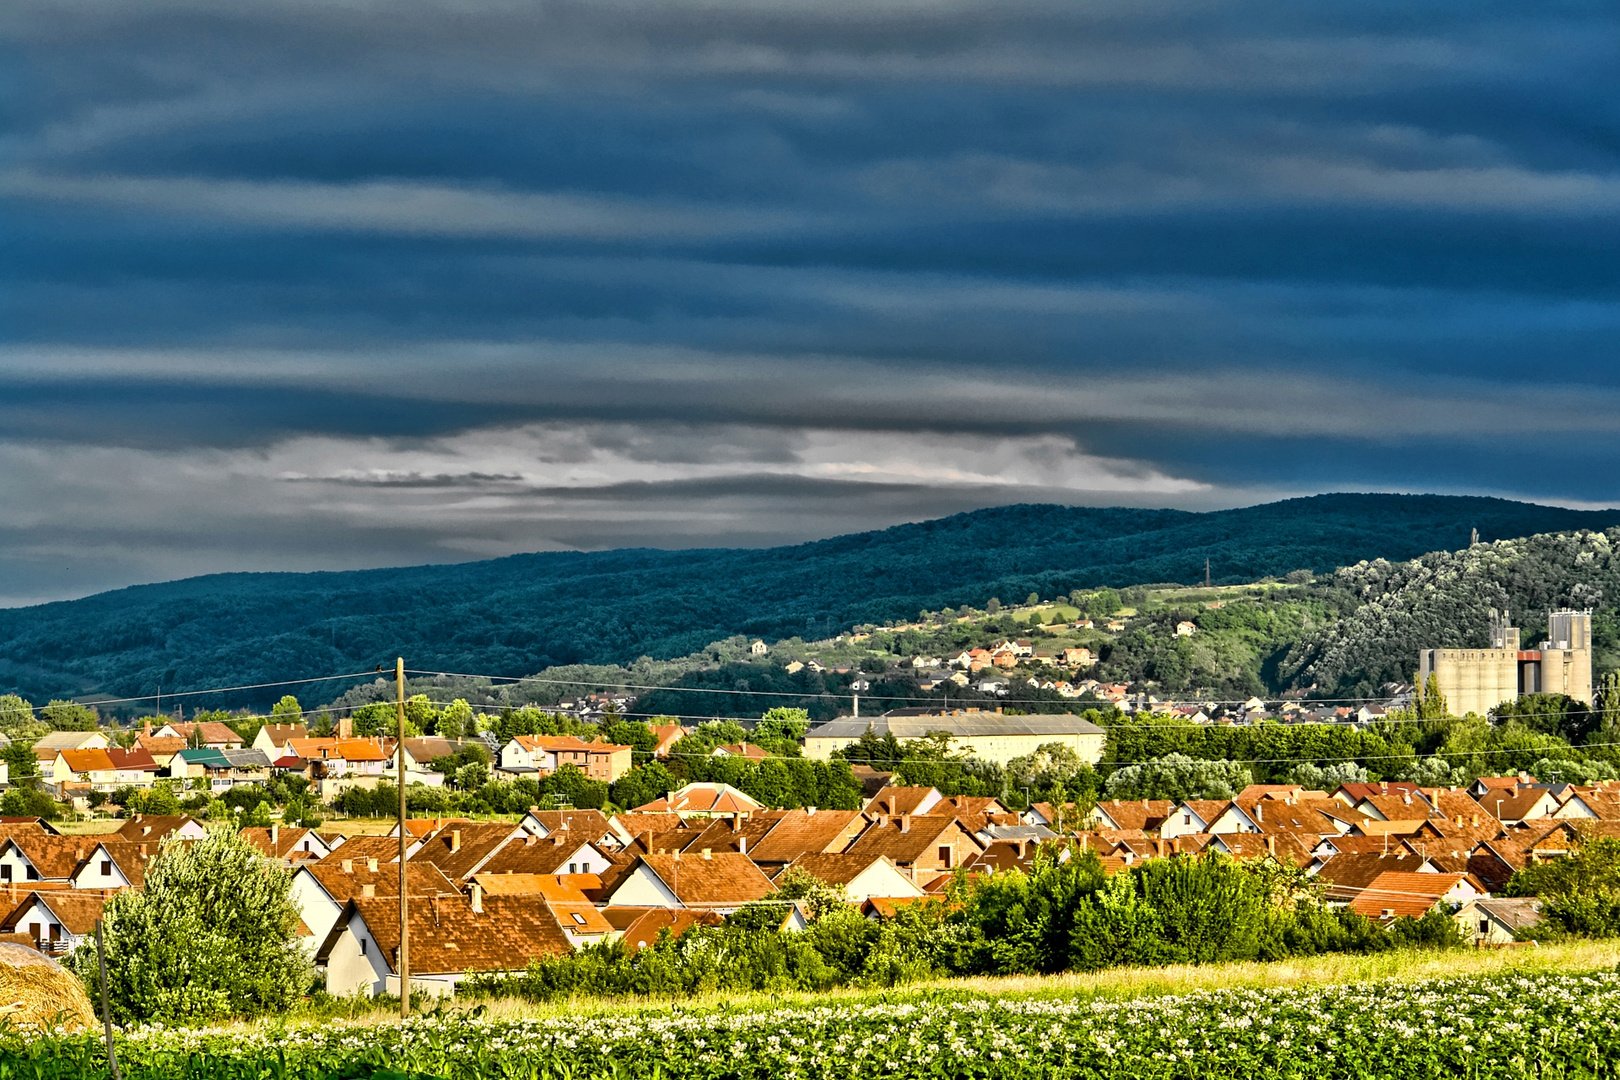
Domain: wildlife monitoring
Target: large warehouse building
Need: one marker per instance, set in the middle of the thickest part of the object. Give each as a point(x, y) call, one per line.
point(989, 736)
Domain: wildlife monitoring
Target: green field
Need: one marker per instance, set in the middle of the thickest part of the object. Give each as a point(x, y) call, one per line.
point(1542, 1013)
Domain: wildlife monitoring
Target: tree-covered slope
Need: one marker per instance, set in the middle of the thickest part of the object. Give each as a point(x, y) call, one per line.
point(522, 613)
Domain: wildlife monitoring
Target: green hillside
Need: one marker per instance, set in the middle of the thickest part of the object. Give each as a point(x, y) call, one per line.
point(525, 613)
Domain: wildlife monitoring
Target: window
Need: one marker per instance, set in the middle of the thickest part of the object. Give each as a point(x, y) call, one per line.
point(363, 946)
point(5, 873)
point(106, 868)
point(578, 918)
point(573, 868)
point(1186, 819)
point(33, 930)
point(56, 931)
point(1484, 926)
point(33, 875)
point(945, 855)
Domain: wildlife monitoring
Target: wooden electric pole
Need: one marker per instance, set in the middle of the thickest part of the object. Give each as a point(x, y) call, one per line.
point(404, 847)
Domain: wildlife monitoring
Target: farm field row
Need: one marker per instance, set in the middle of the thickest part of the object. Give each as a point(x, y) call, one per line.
point(1513, 1022)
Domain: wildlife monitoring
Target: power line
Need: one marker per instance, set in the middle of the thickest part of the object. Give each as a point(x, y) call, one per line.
point(607, 685)
point(216, 690)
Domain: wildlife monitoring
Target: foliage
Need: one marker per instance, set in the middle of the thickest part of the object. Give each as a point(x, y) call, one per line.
point(210, 936)
point(69, 716)
point(1178, 777)
point(1275, 749)
point(1580, 892)
point(29, 802)
point(1328, 777)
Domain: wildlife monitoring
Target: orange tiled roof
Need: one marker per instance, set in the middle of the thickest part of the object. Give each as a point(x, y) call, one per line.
point(722, 879)
point(1399, 893)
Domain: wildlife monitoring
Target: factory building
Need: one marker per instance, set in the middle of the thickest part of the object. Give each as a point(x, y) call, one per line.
point(1478, 680)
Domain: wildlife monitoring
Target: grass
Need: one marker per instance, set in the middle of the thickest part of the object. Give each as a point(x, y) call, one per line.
point(1116, 984)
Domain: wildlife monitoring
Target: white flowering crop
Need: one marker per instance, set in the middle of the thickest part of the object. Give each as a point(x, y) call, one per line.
point(1482, 1028)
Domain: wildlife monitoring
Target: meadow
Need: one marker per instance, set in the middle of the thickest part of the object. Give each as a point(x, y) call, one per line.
point(1495, 1015)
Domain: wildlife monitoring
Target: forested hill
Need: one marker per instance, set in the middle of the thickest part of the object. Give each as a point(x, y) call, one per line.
point(522, 613)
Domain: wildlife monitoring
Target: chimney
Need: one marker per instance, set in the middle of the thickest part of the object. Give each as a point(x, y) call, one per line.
point(348, 866)
point(706, 855)
point(1260, 811)
point(809, 811)
point(346, 728)
point(368, 890)
point(371, 865)
point(1476, 819)
point(1145, 804)
point(477, 898)
point(455, 841)
point(1271, 845)
point(742, 845)
point(275, 837)
point(905, 823)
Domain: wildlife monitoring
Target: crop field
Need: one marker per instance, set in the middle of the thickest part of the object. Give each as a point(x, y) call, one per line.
point(1507, 1026)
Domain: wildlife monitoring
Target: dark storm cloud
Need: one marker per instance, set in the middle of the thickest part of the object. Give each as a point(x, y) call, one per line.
point(309, 284)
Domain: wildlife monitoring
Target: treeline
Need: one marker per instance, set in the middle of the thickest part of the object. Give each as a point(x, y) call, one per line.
point(785, 779)
point(1063, 915)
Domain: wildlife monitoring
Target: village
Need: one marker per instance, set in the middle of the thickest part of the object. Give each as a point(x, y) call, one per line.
point(493, 895)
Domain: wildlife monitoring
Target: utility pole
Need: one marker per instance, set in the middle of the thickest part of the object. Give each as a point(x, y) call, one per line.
point(404, 844)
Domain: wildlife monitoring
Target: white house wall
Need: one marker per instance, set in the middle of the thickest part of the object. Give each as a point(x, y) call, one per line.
point(643, 888)
point(882, 879)
point(315, 906)
point(92, 877)
point(14, 867)
point(350, 972)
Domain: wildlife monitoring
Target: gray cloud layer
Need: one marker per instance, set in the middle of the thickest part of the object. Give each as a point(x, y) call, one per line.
point(315, 285)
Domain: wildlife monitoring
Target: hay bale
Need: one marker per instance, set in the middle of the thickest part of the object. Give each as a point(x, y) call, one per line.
point(36, 991)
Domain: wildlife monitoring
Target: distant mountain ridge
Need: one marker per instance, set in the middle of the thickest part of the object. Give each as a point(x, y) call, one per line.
point(516, 615)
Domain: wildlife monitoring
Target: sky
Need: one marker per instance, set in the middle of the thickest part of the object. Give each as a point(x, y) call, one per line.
point(326, 284)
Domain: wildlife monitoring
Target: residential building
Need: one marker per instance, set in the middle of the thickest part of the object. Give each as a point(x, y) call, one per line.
point(153, 828)
point(71, 740)
point(895, 801)
point(720, 882)
point(924, 846)
point(449, 938)
point(746, 750)
point(223, 769)
point(1489, 921)
point(461, 848)
point(114, 864)
point(668, 736)
point(563, 894)
point(542, 755)
point(563, 852)
point(700, 800)
point(858, 877)
point(288, 843)
point(321, 890)
point(58, 921)
point(272, 739)
point(208, 733)
point(1395, 893)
